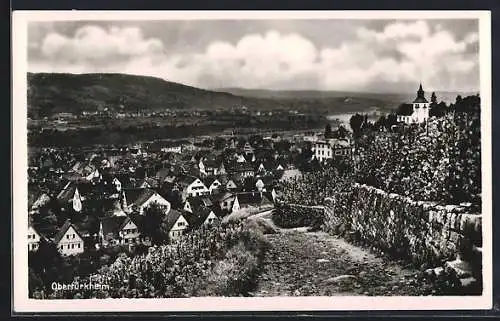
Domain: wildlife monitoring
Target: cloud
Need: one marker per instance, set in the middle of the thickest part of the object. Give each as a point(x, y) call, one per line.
point(93, 44)
point(401, 53)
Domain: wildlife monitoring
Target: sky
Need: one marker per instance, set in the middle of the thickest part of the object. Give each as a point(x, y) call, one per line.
point(335, 54)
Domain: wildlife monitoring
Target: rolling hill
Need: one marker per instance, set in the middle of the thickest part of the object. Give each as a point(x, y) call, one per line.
point(50, 93)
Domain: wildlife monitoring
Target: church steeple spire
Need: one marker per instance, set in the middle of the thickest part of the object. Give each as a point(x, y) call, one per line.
point(420, 92)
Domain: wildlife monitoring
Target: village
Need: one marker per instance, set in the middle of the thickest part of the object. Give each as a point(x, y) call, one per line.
point(103, 194)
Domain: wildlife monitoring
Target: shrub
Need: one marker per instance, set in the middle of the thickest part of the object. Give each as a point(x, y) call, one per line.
point(190, 267)
point(290, 216)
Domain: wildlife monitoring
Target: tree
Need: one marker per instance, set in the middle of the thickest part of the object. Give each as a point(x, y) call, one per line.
point(46, 264)
point(219, 143)
point(380, 123)
point(154, 224)
point(207, 143)
point(390, 121)
point(328, 131)
point(248, 184)
point(433, 98)
point(356, 122)
point(341, 132)
point(303, 159)
point(438, 110)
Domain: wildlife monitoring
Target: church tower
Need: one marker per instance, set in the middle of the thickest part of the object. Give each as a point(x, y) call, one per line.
point(420, 107)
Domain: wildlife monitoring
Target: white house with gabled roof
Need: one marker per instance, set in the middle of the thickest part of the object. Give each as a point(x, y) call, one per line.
point(68, 240)
point(33, 239)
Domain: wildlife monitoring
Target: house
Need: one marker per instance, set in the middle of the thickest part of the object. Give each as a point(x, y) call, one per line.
point(248, 149)
point(201, 167)
point(117, 230)
point(86, 171)
point(211, 167)
point(194, 204)
point(176, 224)
point(70, 195)
point(115, 209)
point(244, 170)
point(260, 185)
point(147, 182)
point(163, 174)
point(341, 147)
point(141, 198)
point(33, 239)
point(240, 159)
point(416, 112)
point(38, 202)
point(205, 217)
point(222, 169)
point(105, 163)
point(328, 149)
point(191, 186)
point(224, 201)
point(69, 240)
point(118, 185)
point(172, 149)
point(213, 184)
point(251, 200)
point(270, 195)
point(261, 168)
point(124, 180)
point(231, 185)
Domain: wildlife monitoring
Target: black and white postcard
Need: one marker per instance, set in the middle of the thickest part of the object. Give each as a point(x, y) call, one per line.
point(251, 161)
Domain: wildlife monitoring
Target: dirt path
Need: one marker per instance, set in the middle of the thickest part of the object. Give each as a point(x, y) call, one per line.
point(302, 263)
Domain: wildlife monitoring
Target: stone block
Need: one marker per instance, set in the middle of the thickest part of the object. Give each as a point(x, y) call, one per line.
point(458, 268)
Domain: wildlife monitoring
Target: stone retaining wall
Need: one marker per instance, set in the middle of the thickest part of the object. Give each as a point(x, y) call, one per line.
point(422, 232)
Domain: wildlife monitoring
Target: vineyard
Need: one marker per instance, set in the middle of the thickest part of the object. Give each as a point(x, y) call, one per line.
point(310, 189)
point(221, 261)
point(440, 162)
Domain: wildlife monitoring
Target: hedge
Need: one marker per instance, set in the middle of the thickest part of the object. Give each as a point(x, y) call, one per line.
point(291, 215)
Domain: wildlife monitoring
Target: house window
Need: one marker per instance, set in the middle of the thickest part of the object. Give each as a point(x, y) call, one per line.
point(62, 247)
point(180, 224)
point(73, 235)
point(72, 246)
point(67, 236)
point(29, 236)
point(78, 245)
